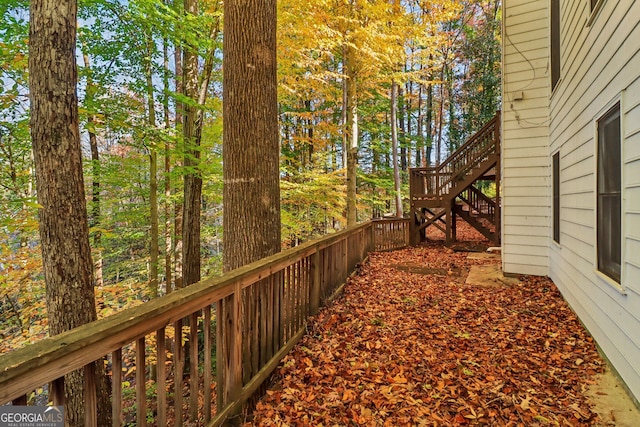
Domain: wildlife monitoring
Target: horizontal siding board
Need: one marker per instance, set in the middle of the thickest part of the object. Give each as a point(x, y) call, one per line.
point(515, 268)
point(631, 201)
point(525, 212)
point(633, 271)
point(523, 221)
point(535, 13)
point(534, 251)
point(528, 259)
point(528, 152)
point(523, 7)
point(533, 181)
point(517, 65)
point(522, 200)
point(528, 230)
point(530, 191)
point(631, 175)
point(516, 239)
point(577, 216)
point(632, 149)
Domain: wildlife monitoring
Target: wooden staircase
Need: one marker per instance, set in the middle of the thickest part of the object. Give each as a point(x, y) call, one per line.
point(441, 192)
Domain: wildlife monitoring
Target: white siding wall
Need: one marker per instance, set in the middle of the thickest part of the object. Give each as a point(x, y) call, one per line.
point(525, 135)
point(600, 66)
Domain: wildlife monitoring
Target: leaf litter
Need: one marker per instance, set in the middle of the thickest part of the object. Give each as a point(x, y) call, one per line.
point(399, 348)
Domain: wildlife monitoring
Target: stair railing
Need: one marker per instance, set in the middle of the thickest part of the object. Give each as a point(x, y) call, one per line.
point(478, 202)
point(438, 181)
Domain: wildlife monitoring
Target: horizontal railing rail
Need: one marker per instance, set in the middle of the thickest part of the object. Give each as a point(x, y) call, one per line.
point(258, 311)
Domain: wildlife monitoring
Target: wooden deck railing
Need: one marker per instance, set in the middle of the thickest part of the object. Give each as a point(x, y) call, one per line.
point(437, 182)
point(261, 308)
point(391, 233)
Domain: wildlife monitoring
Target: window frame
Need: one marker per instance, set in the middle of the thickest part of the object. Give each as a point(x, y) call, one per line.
point(554, 43)
point(594, 9)
point(608, 246)
point(555, 168)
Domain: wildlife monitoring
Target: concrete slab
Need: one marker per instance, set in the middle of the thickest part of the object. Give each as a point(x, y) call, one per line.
point(612, 403)
point(484, 255)
point(489, 275)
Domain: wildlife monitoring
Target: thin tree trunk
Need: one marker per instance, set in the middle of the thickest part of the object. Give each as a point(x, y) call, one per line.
point(167, 175)
point(394, 143)
point(64, 229)
point(401, 114)
point(344, 113)
point(95, 172)
point(440, 117)
point(177, 250)
point(420, 130)
point(153, 180)
point(429, 124)
point(352, 136)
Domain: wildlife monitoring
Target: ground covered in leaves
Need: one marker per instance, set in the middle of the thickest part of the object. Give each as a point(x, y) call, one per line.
point(401, 348)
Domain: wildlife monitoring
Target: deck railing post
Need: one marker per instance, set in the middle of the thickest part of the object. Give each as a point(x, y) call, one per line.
point(315, 284)
point(90, 396)
point(229, 350)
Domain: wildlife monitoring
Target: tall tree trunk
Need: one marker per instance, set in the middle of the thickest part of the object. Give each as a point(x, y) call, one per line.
point(403, 134)
point(168, 245)
point(352, 135)
point(251, 167)
point(394, 143)
point(64, 230)
point(192, 179)
point(177, 250)
point(420, 129)
point(153, 178)
point(251, 148)
point(440, 117)
point(407, 136)
point(429, 124)
point(344, 113)
point(95, 172)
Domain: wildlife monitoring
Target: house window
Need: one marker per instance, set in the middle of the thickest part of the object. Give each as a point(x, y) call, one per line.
point(556, 197)
point(609, 194)
point(555, 43)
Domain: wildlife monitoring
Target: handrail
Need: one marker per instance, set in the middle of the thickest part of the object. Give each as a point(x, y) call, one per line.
point(477, 200)
point(270, 300)
point(436, 182)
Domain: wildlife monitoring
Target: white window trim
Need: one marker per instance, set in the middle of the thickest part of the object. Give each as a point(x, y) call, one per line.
point(593, 14)
point(602, 279)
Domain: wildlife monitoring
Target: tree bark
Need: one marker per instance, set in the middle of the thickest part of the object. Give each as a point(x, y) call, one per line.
point(177, 249)
point(403, 132)
point(153, 178)
point(64, 230)
point(352, 136)
point(95, 169)
point(250, 162)
point(394, 143)
point(251, 149)
point(168, 245)
point(192, 179)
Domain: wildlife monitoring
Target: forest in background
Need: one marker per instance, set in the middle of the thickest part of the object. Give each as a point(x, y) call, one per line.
point(345, 69)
